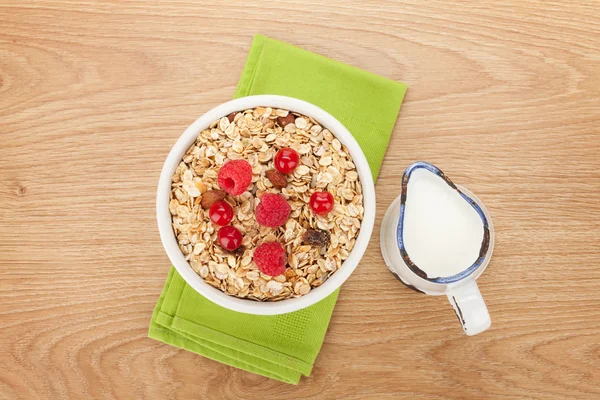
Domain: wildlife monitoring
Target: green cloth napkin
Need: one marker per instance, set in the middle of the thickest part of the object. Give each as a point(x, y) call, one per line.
point(282, 347)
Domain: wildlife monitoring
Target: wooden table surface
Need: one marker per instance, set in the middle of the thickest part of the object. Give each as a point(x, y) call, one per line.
point(503, 96)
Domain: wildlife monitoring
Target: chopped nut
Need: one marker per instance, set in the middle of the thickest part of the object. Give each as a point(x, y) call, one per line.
point(288, 119)
point(211, 197)
point(277, 178)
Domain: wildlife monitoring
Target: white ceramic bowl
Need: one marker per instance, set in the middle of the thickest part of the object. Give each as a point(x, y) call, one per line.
point(164, 216)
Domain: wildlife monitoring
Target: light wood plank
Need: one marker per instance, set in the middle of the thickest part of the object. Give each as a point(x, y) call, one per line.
point(503, 96)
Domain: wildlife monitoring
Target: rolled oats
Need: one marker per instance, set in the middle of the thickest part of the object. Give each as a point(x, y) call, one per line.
point(256, 135)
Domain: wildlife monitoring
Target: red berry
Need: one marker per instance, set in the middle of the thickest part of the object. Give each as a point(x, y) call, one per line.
point(235, 176)
point(321, 202)
point(221, 213)
point(230, 238)
point(286, 160)
point(273, 210)
point(270, 258)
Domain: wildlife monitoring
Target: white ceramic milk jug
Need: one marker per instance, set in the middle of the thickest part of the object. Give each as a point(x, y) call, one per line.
point(438, 239)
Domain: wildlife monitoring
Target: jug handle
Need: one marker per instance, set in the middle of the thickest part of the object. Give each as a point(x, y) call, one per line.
point(469, 307)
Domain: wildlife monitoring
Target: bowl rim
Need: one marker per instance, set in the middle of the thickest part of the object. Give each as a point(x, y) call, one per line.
point(164, 220)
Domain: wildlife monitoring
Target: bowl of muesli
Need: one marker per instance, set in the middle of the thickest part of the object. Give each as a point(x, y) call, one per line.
point(265, 204)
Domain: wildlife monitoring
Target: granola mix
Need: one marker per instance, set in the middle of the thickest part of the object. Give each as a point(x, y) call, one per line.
point(316, 245)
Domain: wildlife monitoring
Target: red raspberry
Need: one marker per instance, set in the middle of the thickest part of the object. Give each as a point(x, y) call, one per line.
point(235, 176)
point(272, 210)
point(270, 258)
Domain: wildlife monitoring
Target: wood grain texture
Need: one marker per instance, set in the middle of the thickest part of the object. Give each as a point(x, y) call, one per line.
point(503, 96)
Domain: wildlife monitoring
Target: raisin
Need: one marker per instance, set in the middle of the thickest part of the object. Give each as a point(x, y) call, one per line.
point(316, 237)
point(237, 252)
